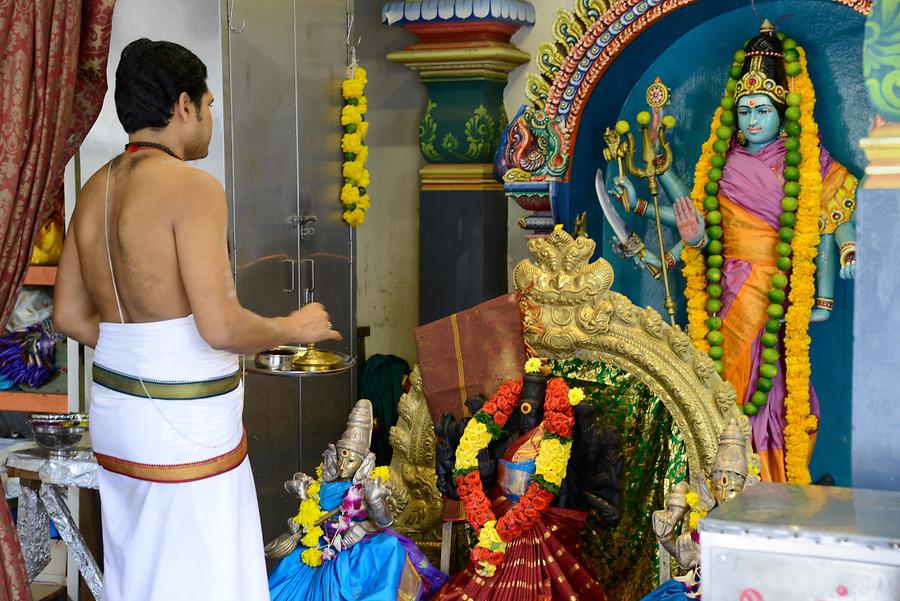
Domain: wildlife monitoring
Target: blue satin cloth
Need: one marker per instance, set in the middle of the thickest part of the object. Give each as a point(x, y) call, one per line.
point(671, 590)
point(368, 571)
point(514, 477)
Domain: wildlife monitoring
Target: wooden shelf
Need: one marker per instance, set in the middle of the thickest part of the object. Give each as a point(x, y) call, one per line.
point(40, 275)
point(33, 402)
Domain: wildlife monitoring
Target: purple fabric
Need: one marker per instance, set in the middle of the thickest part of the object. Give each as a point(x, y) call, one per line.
point(432, 578)
point(754, 182)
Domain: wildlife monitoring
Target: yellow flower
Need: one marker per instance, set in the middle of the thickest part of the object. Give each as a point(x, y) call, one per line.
point(486, 569)
point(363, 202)
point(319, 471)
point(576, 395)
point(363, 105)
point(351, 143)
point(350, 114)
point(695, 518)
point(363, 178)
point(349, 194)
point(802, 285)
point(382, 471)
point(312, 536)
point(312, 557)
point(353, 170)
point(489, 538)
point(351, 88)
point(308, 513)
point(533, 366)
point(362, 128)
point(692, 499)
point(312, 490)
point(354, 217)
point(475, 437)
point(360, 75)
point(552, 459)
point(363, 153)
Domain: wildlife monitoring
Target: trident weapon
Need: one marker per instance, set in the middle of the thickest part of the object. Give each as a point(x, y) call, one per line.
point(653, 167)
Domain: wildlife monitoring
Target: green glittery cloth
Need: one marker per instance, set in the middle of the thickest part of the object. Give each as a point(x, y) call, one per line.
point(626, 558)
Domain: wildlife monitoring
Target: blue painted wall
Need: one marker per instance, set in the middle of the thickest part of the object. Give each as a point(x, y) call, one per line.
point(691, 50)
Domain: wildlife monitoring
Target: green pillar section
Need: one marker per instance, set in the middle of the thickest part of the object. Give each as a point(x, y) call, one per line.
point(463, 57)
point(462, 121)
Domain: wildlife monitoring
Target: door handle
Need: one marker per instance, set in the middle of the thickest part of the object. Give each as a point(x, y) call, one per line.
point(289, 271)
point(308, 280)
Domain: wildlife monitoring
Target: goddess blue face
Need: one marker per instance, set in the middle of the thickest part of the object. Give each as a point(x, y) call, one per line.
point(758, 119)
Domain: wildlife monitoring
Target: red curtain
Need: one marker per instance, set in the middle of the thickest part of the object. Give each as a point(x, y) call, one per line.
point(53, 71)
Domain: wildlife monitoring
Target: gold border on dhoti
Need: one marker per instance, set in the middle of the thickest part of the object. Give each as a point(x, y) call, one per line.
point(175, 473)
point(164, 391)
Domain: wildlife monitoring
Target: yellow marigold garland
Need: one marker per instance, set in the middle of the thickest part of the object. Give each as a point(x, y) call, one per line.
point(804, 247)
point(354, 196)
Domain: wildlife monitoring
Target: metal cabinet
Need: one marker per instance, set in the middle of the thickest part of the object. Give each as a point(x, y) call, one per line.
point(283, 64)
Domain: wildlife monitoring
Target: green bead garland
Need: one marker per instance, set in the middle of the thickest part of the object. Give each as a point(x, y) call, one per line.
point(769, 354)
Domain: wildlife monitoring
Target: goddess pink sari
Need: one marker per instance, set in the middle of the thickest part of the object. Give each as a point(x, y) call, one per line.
point(750, 194)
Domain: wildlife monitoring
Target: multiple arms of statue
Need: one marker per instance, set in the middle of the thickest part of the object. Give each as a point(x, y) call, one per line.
point(681, 215)
point(595, 467)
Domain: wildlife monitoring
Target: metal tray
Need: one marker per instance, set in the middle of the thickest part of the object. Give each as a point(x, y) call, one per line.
point(253, 364)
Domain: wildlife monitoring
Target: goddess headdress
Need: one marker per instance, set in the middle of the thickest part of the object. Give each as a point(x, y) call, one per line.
point(358, 435)
point(763, 69)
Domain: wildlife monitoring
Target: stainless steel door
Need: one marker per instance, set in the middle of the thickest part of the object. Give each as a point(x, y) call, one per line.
point(320, 57)
point(263, 111)
point(283, 88)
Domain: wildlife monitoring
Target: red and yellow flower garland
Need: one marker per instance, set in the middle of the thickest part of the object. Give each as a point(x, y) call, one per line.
point(354, 196)
point(550, 468)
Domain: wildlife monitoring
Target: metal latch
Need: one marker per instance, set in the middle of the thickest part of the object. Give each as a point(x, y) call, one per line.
point(306, 224)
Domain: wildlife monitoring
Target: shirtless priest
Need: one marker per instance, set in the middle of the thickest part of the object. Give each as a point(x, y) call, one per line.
point(145, 279)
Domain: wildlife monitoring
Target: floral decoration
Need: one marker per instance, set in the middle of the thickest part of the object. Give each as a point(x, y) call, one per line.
point(550, 468)
point(354, 194)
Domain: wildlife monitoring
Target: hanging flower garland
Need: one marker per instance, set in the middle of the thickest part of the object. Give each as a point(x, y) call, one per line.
point(312, 519)
point(796, 252)
point(550, 467)
point(354, 196)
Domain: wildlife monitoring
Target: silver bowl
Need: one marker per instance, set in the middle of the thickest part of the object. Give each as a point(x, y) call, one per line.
point(58, 432)
point(279, 358)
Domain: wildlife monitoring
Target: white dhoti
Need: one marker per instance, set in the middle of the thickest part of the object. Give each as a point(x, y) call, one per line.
point(177, 538)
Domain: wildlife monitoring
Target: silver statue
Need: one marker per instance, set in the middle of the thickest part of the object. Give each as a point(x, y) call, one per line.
point(348, 459)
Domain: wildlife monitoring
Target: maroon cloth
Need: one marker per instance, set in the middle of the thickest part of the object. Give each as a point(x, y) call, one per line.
point(473, 351)
point(543, 564)
point(53, 68)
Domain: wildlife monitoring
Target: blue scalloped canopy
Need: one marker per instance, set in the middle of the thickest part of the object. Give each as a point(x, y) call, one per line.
point(435, 11)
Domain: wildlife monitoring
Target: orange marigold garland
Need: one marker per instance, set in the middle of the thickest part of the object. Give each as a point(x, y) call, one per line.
point(550, 468)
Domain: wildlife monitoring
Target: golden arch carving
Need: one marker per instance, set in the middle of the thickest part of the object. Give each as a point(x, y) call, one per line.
point(569, 311)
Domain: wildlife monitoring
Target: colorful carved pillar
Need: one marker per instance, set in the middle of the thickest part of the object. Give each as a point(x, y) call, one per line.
point(876, 321)
point(463, 57)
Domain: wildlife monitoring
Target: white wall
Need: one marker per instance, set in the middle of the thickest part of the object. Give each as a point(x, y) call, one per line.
point(388, 242)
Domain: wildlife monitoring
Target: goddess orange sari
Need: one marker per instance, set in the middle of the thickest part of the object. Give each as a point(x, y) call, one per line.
point(750, 193)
